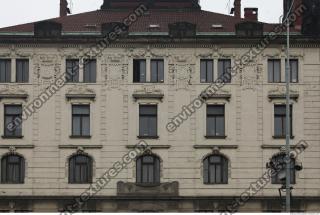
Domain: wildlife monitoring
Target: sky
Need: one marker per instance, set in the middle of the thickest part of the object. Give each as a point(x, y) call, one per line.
point(14, 12)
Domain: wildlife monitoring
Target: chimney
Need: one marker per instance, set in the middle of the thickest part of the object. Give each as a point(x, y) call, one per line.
point(63, 8)
point(236, 9)
point(251, 14)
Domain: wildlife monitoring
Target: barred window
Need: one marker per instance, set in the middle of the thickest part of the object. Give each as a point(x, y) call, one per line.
point(215, 170)
point(12, 169)
point(72, 70)
point(148, 170)
point(80, 169)
point(13, 120)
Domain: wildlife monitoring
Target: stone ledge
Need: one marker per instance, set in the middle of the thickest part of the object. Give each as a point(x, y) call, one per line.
point(14, 96)
point(150, 146)
point(80, 146)
point(132, 189)
point(215, 146)
point(17, 146)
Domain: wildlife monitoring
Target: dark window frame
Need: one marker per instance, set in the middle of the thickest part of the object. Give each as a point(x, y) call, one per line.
point(137, 72)
point(6, 176)
point(282, 117)
point(74, 66)
point(271, 71)
point(292, 62)
point(75, 165)
point(81, 117)
point(215, 116)
point(142, 166)
point(222, 165)
point(159, 73)
point(90, 71)
point(149, 116)
point(22, 66)
point(16, 133)
point(282, 165)
point(7, 70)
point(226, 65)
point(205, 71)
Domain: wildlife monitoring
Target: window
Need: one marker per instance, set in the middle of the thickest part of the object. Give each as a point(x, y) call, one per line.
point(206, 71)
point(157, 71)
point(274, 71)
point(224, 70)
point(12, 169)
point(90, 71)
point(139, 71)
point(72, 73)
point(80, 169)
point(280, 121)
point(81, 120)
point(148, 170)
point(148, 121)
point(5, 70)
point(215, 121)
point(22, 70)
point(294, 70)
point(12, 120)
point(215, 170)
point(280, 164)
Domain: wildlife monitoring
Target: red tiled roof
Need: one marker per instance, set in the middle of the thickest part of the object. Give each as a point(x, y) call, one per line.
point(82, 22)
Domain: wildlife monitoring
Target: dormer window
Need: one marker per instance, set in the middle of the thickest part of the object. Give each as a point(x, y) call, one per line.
point(117, 27)
point(47, 29)
point(182, 29)
point(249, 29)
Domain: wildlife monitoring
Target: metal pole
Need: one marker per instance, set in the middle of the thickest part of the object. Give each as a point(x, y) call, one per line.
point(288, 121)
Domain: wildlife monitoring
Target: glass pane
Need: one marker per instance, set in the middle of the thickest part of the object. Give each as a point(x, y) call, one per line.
point(2, 71)
point(76, 131)
point(206, 171)
point(161, 71)
point(142, 71)
point(13, 109)
point(154, 71)
point(90, 71)
point(270, 71)
point(85, 126)
point(215, 159)
point(143, 126)
point(152, 126)
point(220, 68)
point(278, 126)
point(148, 159)
point(277, 71)
point(203, 71)
point(215, 110)
point(148, 110)
point(81, 109)
point(145, 173)
point(294, 71)
point(22, 70)
point(150, 173)
point(220, 126)
point(218, 174)
point(212, 172)
point(210, 71)
point(211, 128)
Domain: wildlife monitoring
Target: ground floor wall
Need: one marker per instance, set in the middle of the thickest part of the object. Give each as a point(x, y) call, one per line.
point(156, 204)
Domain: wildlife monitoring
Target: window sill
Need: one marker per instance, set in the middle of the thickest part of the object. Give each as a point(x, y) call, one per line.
point(80, 137)
point(214, 183)
point(281, 137)
point(215, 137)
point(148, 137)
point(11, 137)
point(148, 184)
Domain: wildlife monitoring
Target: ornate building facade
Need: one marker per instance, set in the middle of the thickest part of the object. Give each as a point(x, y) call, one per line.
point(131, 71)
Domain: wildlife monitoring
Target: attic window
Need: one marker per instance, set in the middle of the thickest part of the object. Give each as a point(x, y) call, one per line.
point(91, 26)
point(217, 26)
point(47, 29)
point(182, 29)
point(248, 28)
point(116, 27)
point(154, 26)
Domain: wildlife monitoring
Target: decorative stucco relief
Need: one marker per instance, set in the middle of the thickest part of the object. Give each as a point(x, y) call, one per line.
point(250, 76)
point(115, 71)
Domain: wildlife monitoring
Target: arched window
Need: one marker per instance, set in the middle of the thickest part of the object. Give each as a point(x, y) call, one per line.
point(215, 169)
point(12, 169)
point(80, 169)
point(148, 170)
point(280, 164)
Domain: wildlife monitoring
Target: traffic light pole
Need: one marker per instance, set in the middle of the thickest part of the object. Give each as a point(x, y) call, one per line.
point(288, 120)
